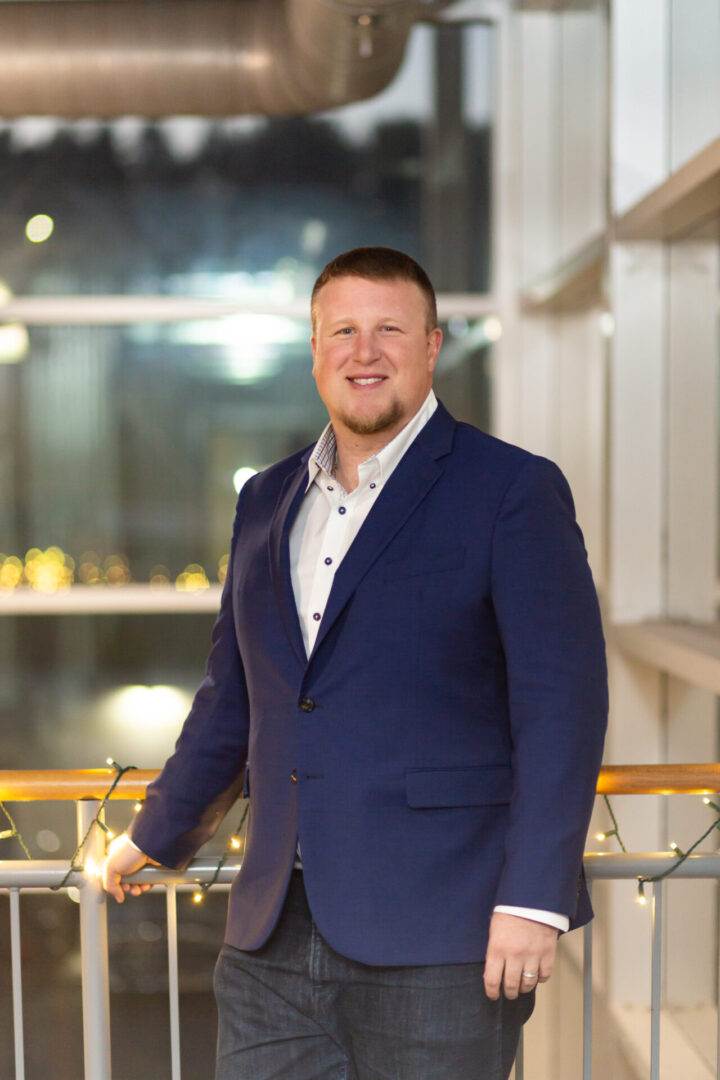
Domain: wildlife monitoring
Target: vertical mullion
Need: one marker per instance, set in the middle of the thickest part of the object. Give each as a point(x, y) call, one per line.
point(173, 982)
point(16, 963)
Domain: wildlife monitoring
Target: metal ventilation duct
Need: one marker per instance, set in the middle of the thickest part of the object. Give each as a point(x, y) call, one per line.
point(151, 58)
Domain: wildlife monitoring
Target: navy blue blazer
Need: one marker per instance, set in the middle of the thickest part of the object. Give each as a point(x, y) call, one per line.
point(438, 751)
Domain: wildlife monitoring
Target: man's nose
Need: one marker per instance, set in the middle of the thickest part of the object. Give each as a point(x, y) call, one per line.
point(367, 347)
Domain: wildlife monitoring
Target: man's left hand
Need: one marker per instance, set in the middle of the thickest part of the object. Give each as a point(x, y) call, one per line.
point(520, 954)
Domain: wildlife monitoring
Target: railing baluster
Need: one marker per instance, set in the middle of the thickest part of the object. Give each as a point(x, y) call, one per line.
point(587, 998)
point(16, 962)
point(94, 950)
point(520, 1057)
point(656, 980)
point(173, 981)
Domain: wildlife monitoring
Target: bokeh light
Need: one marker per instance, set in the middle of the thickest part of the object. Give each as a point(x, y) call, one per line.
point(223, 568)
point(117, 570)
point(241, 477)
point(492, 328)
point(49, 571)
point(39, 228)
point(160, 709)
point(53, 570)
point(159, 577)
point(14, 343)
point(192, 579)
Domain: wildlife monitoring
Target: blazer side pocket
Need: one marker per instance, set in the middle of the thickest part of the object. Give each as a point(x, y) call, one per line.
point(483, 785)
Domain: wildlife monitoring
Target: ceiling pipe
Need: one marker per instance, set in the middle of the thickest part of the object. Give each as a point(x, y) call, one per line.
point(155, 58)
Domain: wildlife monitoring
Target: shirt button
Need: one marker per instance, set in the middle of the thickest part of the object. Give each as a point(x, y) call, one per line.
point(293, 776)
point(373, 486)
point(342, 510)
point(330, 488)
point(307, 704)
point(328, 561)
point(317, 616)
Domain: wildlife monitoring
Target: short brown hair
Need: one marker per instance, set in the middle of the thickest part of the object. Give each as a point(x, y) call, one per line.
point(378, 264)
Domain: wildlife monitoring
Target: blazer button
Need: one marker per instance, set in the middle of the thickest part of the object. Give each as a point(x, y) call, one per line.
point(293, 776)
point(307, 704)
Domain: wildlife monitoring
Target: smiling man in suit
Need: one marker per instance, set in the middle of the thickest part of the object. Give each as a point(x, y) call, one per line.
point(408, 671)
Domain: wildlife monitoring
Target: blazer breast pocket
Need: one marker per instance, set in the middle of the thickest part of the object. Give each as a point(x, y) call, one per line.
point(482, 785)
point(426, 561)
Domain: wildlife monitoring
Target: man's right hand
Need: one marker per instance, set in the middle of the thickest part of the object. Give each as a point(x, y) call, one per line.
point(123, 858)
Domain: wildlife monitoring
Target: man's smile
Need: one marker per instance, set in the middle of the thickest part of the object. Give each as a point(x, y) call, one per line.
point(366, 380)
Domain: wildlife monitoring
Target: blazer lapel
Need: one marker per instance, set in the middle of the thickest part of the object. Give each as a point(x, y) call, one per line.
point(412, 479)
point(286, 509)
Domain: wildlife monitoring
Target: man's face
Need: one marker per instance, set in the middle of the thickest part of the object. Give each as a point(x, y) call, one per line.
point(373, 356)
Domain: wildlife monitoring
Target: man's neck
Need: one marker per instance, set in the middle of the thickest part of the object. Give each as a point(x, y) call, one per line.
point(352, 450)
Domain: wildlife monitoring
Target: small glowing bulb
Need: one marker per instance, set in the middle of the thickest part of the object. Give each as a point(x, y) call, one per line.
point(197, 897)
point(235, 842)
point(641, 899)
point(110, 834)
point(138, 807)
point(673, 846)
point(600, 836)
point(109, 761)
point(706, 801)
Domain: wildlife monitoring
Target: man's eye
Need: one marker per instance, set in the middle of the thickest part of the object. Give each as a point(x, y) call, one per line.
point(345, 330)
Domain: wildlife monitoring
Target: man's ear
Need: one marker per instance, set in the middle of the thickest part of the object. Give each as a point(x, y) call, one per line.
point(435, 338)
point(312, 346)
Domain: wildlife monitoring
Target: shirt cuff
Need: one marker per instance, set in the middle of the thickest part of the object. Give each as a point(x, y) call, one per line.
point(550, 918)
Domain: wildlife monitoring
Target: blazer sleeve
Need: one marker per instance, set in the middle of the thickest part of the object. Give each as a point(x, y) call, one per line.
point(202, 779)
point(549, 623)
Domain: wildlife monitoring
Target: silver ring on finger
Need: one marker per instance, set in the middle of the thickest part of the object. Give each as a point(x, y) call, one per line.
point(530, 974)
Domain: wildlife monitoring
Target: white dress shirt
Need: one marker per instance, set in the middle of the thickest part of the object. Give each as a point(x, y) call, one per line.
point(328, 521)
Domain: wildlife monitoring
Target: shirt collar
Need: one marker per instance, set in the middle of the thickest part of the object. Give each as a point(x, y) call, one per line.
point(324, 454)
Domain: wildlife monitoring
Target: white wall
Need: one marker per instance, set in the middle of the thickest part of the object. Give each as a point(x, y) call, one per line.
point(600, 104)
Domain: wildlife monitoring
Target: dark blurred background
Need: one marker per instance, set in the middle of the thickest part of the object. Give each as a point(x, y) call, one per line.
point(120, 445)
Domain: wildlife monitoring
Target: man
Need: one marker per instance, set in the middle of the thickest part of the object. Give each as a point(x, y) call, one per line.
point(408, 669)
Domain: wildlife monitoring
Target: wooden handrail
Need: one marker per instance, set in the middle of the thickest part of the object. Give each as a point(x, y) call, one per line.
point(40, 784)
point(703, 779)
point(37, 784)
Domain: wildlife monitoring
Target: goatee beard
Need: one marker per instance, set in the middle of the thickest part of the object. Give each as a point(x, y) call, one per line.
point(370, 425)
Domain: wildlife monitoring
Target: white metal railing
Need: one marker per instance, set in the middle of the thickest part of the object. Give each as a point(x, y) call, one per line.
point(17, 876)
point(630, 867)
point(46, 874)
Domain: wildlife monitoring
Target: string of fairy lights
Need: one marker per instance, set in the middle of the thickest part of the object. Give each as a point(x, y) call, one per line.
point(682, 855)
point(236, 842)
point(13, 832)
point(74, 867)
point(96, 822)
